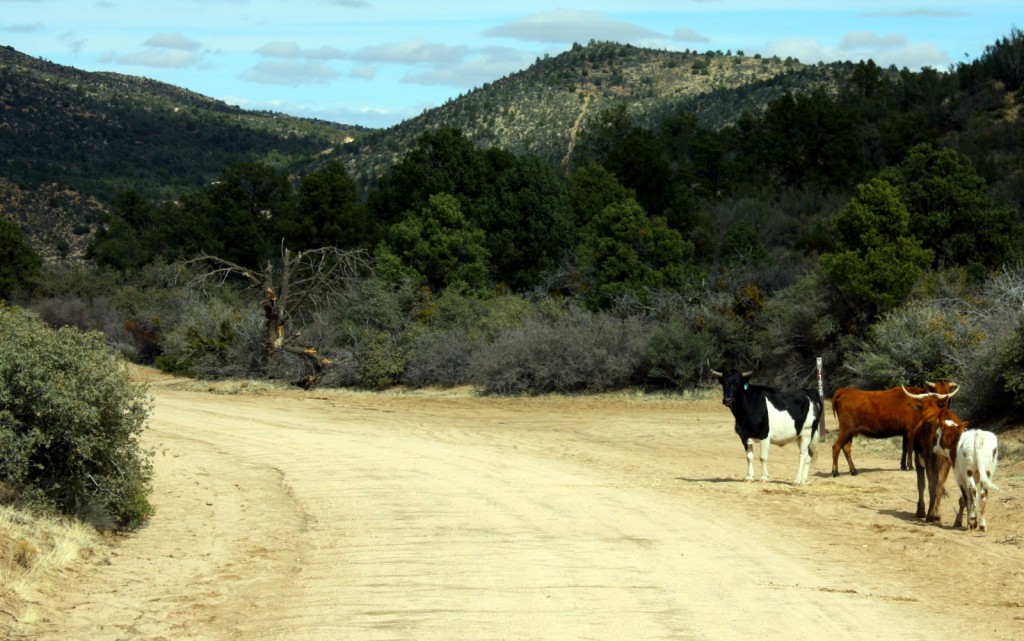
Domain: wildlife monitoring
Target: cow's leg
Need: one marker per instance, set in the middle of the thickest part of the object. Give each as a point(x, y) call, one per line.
point(972, 503)
point(941, 467)
point(982, 500)
point(937, 471)
point(849, 458)
point(842, 442)
point(959, 522)
point(804, 456)
point(765, 446)
point(920, 486)
point(748, 447)
point(907, 457)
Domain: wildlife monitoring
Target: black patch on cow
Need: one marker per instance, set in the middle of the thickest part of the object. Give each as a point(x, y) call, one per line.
point(748, 405)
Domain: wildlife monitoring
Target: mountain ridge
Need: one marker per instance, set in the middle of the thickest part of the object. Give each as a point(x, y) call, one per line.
point(66, 131)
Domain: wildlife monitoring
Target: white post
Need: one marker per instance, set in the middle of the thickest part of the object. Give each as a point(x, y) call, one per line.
point(821, 393)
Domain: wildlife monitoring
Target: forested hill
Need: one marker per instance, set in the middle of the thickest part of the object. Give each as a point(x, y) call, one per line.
point(541, 109)
point(102, 132)
point(71, 140)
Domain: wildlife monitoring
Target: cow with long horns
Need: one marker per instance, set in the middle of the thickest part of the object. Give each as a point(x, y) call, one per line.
point(882, 414)
point(938, 428)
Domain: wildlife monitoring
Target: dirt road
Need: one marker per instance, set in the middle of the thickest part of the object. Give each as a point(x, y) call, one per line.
point(341, 515)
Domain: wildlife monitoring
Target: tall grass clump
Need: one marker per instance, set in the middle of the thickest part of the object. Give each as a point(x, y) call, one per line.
point(70, 422)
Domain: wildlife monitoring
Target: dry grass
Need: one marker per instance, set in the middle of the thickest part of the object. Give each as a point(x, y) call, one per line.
point(32, 551)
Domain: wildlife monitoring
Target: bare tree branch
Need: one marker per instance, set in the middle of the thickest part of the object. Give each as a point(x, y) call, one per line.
point(304, 283)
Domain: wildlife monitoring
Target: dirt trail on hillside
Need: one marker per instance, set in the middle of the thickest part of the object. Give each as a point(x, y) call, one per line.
point(340, 515)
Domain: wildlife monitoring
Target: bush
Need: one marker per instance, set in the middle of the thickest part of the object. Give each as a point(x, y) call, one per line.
point(214, 340)
point(581, 353)
point(918, 342)
point(69, 424)
point(440, 358)
point(679, 355)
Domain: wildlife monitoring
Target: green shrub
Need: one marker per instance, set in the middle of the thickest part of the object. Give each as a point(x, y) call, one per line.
point(70, 421)
point(678, 354)
point(214, 340)
point(924, 340)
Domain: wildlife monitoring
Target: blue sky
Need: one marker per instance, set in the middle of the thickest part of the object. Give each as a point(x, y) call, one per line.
point(378, 62)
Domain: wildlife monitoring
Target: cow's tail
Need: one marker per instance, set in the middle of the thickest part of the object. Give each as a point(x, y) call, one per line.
point(818, 425)
point(835, 404)
point(986, 450)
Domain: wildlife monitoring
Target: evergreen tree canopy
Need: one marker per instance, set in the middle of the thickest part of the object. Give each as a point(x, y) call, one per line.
point(950, 209)
point(329, 213)
point(526, 216)
point(437, 245)
point(443, 161)
point(623, 251)
point(19, 262)
point(878, 260)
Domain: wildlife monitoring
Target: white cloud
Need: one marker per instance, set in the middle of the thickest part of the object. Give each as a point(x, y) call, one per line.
point(363, 72)
point(290, 72)
point(916, 13)
point(866, 40)
point(891, 50)
point(291, 50)
point(173, 41)
point(24, 28)
point(159, 58)
point(688, 35)
point(563, 26)
point(411, 52)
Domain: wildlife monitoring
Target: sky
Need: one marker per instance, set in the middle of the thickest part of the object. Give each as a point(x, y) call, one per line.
point(378, 62)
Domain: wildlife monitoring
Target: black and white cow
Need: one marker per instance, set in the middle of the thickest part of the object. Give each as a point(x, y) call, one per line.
point(769, 416)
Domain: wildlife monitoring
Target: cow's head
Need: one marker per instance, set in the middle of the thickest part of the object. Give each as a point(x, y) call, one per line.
point(733, 382)
point(941, 399)
point(944, 391)
point(947, 436)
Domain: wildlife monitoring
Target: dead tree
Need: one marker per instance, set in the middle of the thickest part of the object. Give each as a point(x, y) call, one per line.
point(292, 292)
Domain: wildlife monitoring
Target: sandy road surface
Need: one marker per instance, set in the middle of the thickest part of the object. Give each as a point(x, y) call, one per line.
point(340, 515)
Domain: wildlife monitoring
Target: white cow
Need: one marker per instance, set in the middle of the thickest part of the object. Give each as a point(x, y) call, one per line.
point(977, 455)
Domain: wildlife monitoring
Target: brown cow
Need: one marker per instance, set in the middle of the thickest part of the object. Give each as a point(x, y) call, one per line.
point(881, 414)
point(939, 429)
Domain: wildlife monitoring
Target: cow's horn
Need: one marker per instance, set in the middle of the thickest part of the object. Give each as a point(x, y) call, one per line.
point(926, 394)
point(747, 374)
point(716, 374)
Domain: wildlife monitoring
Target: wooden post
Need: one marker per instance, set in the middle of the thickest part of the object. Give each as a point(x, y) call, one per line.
point(821, 393)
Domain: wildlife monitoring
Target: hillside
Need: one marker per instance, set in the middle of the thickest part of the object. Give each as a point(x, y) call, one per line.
point(86, 136)
point(91, 135)
point(541, 109)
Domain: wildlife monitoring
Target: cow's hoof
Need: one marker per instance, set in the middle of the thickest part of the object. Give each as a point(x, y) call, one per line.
point(853, 472)
point(835, 474)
